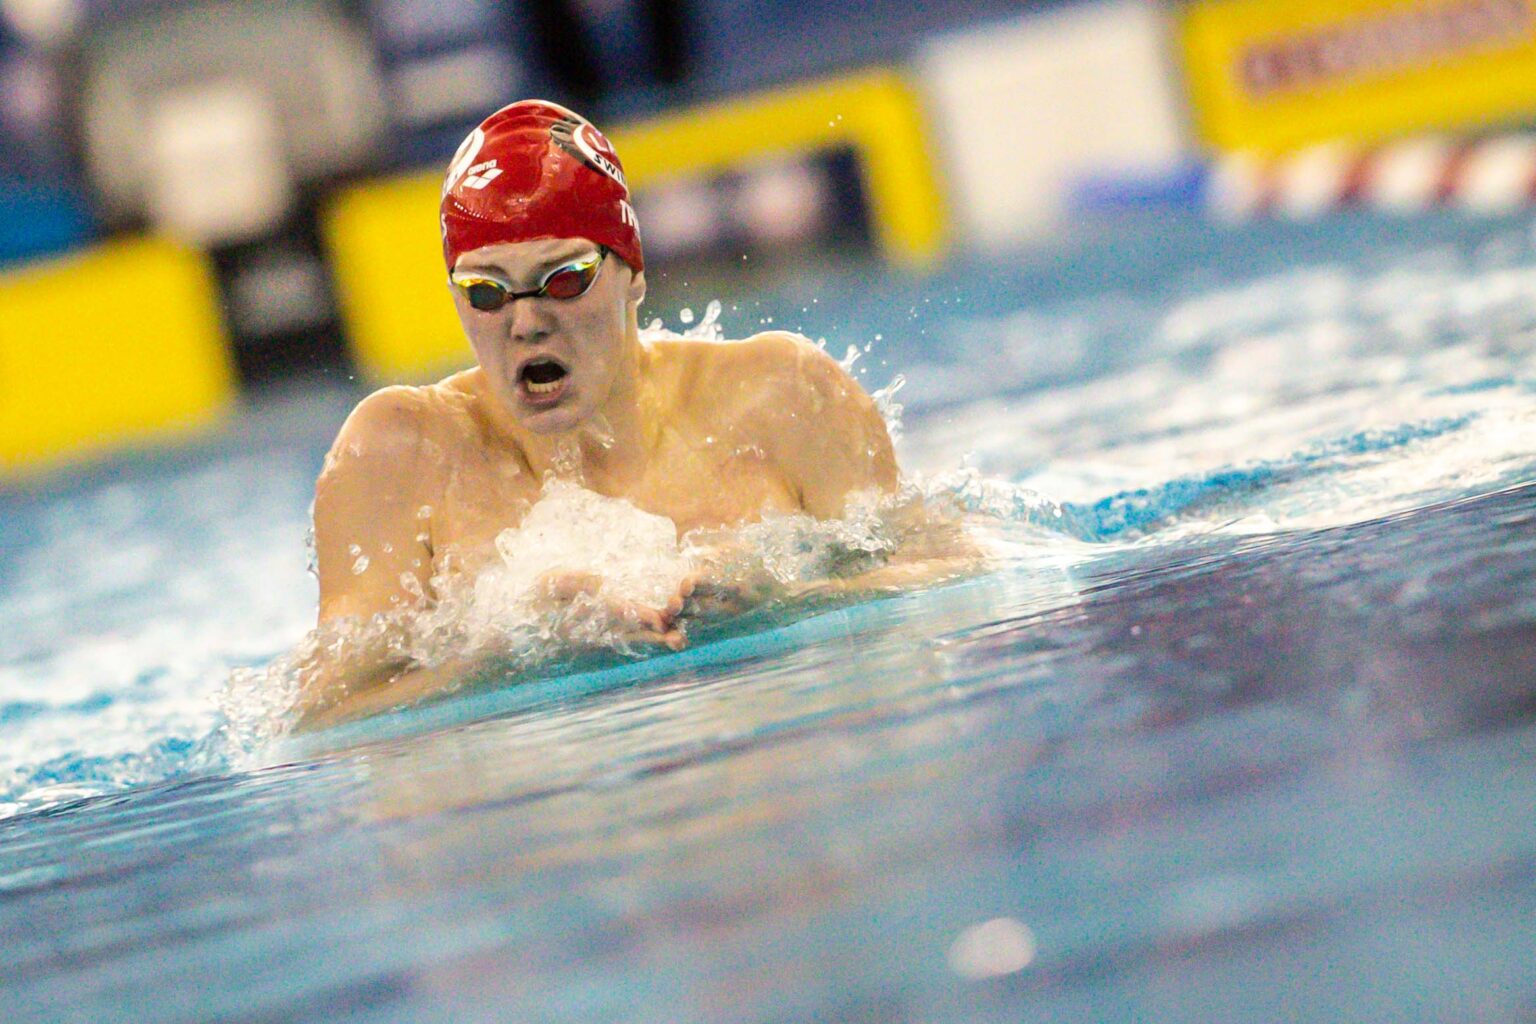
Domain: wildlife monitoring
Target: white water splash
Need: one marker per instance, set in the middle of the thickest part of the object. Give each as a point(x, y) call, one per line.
point(632, 557)
point(128, 604)
point(707, 329)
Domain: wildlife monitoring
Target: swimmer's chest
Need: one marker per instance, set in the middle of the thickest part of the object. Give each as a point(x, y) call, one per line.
point(709, 482)
point(697, 485)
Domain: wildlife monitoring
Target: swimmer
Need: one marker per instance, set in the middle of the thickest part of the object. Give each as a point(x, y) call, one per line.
point(546, 273)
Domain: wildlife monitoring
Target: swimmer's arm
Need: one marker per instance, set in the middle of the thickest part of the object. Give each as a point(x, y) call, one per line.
point(727, 582)
point(372, 547)
point(373, 526)
point(832, 444)
point(825, 433)
point(911, 567)
point(355, 680)
point(331, 698)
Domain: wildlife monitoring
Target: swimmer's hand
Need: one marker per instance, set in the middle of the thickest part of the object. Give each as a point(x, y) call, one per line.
point(900, 575)
point(727, 580)
point(345, 681)
point(720, 599)
point(576, 597)
point(730, 579)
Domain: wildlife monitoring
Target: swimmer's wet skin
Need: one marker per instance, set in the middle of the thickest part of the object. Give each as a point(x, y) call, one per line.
point(546, 273)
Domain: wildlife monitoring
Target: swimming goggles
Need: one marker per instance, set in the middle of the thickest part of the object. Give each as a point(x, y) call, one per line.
point(567, 281)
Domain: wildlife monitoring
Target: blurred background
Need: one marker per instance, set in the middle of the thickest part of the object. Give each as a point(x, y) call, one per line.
point(203, 200)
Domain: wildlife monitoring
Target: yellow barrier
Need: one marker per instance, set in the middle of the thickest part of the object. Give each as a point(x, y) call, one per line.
point(119, 344)
point(383, 236)
point(1275, 75)
point(876, 114)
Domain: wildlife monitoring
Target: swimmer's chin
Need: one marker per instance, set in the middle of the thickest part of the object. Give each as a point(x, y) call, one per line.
point(562, 415)
point(552, 426)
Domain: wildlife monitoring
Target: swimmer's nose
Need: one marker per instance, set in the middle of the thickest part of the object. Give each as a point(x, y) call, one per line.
point(527, 320)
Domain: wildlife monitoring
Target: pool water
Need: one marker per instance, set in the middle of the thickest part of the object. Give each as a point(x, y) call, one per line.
point(1241, 728)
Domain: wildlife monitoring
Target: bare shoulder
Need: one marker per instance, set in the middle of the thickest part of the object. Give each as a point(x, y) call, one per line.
point(797, 382)
point(775, 373)
point(789, 356)
point(796, 403)
point(399, 423)
point(392, 446)
point(383, 468)
point(388, 420)
point(373, 464)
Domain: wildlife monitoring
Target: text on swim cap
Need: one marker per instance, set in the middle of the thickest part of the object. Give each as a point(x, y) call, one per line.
point(482, 175)
point(581, 140)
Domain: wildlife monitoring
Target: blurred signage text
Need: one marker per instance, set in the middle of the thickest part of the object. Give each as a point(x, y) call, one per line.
point(1274, 75)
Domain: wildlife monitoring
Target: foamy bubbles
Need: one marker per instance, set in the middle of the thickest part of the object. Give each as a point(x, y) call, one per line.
point(992, 949)
point(582, 571)
point(631, 558)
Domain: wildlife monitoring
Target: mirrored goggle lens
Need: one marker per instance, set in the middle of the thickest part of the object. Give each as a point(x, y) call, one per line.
point(569, 282)
point(486, 296)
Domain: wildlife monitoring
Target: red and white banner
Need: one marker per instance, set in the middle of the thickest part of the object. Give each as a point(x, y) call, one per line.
point(1492, 175)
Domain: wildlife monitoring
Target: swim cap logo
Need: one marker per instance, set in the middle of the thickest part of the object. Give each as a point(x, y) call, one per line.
point(460, 165)
point(581, 140)
point(482, 175)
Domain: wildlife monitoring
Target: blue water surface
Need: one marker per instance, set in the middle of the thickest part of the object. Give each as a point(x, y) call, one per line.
point(1245, 732)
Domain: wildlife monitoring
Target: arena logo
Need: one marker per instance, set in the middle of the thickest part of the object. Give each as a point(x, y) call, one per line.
point(1387, 42)
point(482, 175)
point(585, 143)
point(463, 158)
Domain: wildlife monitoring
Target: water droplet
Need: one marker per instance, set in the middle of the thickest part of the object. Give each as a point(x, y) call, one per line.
point(992, 949)
point(312, 560)
point(685, 315)
point(388, 548)
point(425, 512)
point(360, 566)
point(354, 550)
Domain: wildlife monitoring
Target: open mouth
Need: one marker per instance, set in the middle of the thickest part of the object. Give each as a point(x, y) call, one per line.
point(542, 378)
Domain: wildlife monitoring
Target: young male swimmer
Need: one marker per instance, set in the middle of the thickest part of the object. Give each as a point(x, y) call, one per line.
point(544, 258)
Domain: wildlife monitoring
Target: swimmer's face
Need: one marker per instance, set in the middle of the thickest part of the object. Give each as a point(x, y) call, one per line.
point(552, 362)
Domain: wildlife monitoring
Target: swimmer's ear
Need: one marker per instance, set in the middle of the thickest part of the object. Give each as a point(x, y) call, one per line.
point(636, 286)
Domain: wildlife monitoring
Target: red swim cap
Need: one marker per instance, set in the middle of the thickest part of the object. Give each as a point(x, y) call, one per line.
point(536, 170)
